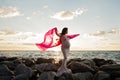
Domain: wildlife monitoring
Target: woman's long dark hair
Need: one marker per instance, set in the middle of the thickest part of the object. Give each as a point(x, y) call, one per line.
point(64, 31)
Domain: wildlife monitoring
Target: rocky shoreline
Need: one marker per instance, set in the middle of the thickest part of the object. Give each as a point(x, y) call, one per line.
point(14, 68)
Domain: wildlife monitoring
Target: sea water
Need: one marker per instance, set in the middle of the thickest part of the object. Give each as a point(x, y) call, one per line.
point(113, 55)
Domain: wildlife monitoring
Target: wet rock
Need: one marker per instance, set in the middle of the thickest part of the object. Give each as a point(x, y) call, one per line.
point(42, 60)
point(75, 59)
point(111, 62)
point(110, 67)
point(11, 58)
point(83, 76)
point(34, 75)
point(65, 76)
point(101, 75)
point(23, 72)
point(46, 67)
point(17, 61)
point(117, 78)
point(5, 71)
point(47, 76)
point(114, 74)
point(77, 67)
point(21, 77)
point(2, 59)
point(9, 64)
point(28, 62)
point(6, 77)
point(99, 62)
point(88, 62)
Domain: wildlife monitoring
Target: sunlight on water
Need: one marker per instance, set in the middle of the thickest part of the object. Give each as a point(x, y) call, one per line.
point(57, 55)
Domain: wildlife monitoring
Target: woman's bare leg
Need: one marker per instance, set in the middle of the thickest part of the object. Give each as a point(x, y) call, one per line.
point(65, 53)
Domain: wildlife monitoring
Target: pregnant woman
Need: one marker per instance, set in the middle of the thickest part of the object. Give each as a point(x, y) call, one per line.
point(63, 41)
point(65, 47)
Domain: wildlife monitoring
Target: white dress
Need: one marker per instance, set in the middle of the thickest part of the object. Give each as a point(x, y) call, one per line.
point(65, 46)
point(65, 50)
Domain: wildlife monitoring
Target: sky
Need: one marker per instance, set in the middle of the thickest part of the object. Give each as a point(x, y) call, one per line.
point(24, 23)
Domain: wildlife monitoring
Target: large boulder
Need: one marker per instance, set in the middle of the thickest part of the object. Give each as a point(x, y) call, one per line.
point(23, 72)
point(83, 76)
point(117, 78)
point(46, 67)
point(17, 61)
point(43, 60)
point(77, 67)
point(65, 76)
point(47, 76)
point(75, 59)
point(110, 67)
point(5, 71)
point(6, 77)
point(28, 62)
point(99, 62)
point(2, 58)
point(89, 62)
point(101, 75)
point(9, 64)
point(11, 58)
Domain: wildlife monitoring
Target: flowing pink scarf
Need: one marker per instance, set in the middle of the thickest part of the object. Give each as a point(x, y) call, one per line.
point(50, 40)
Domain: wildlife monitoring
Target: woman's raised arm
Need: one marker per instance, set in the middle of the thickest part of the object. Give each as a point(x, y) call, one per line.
point(57, 33)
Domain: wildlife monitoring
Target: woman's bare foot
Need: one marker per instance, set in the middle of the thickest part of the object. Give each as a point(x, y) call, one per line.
point(63, 70)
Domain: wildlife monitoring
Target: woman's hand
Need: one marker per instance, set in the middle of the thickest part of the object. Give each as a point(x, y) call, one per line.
point(56, 31)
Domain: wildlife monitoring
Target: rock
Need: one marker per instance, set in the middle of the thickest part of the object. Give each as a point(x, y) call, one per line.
point(90, 63)
point(110, 67)
point(17, 61)
point(65, 76)
point(47, 76)
point(21, 77)
point(111, 62)
point(28, 62)
point(23, 72)
point(99, 62)
point(6, 77)
point(101, 75)
point(9, 64)
point(77, 67)
point(46, 67)
point(117, 78)
point(2, 59)
point(114, 74)
point(11, 58)
point(61, 71)
point(75, 59)
point(34, 75)
point(5, 71)
point(83, 76)
point(42, 60)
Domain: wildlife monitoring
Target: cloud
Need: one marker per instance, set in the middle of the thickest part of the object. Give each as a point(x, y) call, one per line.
point(1, 39)
point(28, 43)
point(8, 32)
point(10, 36)
point(104, 33)
point(99, 34)
point(7, 12)
point(114, 31)
point(68, 15)
point(63, 15)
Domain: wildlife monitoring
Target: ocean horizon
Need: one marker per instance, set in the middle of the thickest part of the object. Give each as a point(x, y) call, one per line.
point(107, 55)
